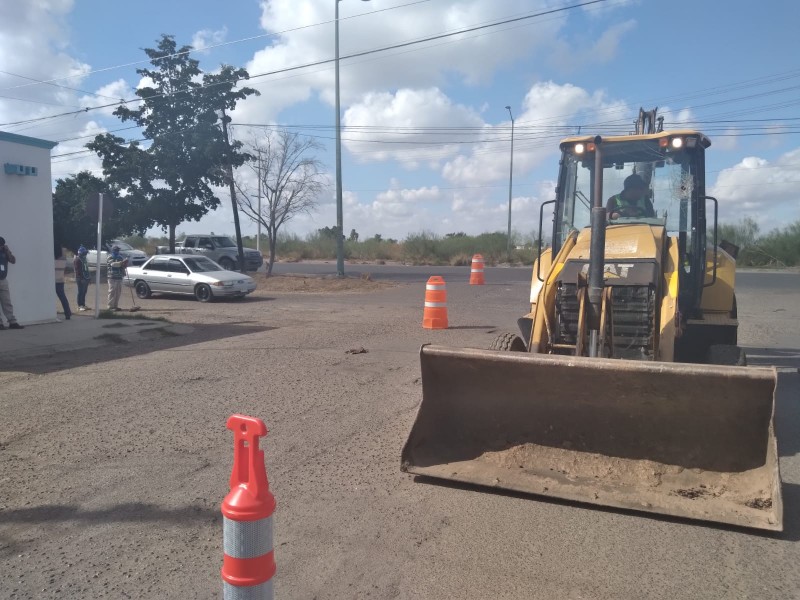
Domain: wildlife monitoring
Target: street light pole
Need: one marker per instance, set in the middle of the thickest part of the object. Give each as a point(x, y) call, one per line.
point(510, 183)
point(339, 211)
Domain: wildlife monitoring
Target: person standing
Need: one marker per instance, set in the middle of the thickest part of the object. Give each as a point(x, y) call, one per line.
point(6, 258)
point(82, 276)
point(116, 271)
point(61, 264)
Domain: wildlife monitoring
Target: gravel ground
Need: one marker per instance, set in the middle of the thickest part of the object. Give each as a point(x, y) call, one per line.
point(113, 462)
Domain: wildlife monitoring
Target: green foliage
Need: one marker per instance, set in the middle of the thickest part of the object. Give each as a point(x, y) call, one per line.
point(171, 181)
point(72, 225)
point(331, 233)
point(778, 248)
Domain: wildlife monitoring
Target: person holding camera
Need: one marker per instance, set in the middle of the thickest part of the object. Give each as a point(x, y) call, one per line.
point(116, 272)
point(6, 258)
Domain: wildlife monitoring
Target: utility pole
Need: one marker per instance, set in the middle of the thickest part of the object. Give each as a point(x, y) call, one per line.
point(234, 205)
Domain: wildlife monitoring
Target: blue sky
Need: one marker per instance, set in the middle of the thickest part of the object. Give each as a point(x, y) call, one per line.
point(728, 69)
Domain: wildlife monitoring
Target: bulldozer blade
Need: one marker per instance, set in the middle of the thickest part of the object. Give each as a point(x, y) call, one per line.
point(692, 441)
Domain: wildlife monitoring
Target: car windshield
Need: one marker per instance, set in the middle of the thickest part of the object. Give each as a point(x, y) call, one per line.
point(123, 246)
point(201, 264)
point(667, 174)
point(223, 242)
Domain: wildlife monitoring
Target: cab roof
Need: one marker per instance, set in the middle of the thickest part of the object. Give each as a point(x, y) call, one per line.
point(629, 138)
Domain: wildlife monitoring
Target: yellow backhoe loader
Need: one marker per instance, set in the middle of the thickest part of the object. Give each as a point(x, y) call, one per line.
point(597, 400)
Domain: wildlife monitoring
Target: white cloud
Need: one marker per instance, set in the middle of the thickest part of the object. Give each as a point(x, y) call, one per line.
point(33, 39)
point(114, 91)
point(63, 166)
point(548, 109)
point(758, 188)
point(204, 38)
point(471, 58)
point(392, 122)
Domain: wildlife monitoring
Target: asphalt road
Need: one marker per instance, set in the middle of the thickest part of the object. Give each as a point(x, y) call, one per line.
point(745, 279)
point(113, 463)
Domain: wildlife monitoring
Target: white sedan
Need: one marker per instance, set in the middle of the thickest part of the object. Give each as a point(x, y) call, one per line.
point(196, 276)
point(136, 258)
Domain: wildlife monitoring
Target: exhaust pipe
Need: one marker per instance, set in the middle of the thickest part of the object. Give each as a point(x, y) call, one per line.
point(597, 249)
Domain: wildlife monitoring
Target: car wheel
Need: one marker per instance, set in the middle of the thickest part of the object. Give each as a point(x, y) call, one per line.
point(143, 290)
point(227, 264)
point(203, 293)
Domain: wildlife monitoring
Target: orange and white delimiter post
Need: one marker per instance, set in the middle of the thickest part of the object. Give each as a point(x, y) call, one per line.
point(435, 314)
point(249, 562)
point(476, 271)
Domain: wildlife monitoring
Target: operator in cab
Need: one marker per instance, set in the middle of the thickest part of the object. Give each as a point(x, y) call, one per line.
point(632, 201)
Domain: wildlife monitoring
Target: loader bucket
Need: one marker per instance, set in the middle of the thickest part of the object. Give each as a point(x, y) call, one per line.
point(693, 441)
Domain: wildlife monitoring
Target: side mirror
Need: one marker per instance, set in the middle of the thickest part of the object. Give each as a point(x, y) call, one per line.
point(539, 235)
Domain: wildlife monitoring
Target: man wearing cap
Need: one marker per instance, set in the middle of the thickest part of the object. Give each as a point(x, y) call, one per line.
point(116, 271)
point(632, 201)
point(6, 258)
point(82, 276)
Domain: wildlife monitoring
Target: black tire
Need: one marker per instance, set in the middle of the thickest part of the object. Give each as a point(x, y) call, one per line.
point(508, 342)
point(142, 290)
point(726, 354)
point(227, 264)
point(203, 293)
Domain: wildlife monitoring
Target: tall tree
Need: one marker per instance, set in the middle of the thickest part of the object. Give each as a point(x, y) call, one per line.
point(72, 226)
point(172, 179)
point(291, 182)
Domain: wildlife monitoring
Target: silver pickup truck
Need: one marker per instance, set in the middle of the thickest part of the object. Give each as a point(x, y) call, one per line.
point(219, 248)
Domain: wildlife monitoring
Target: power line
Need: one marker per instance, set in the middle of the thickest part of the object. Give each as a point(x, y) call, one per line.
point(219, 45)
point(331, 60)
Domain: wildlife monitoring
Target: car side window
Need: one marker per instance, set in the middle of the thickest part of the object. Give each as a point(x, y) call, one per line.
point(156, 264)
point(189, 242)
point(205, 243)
point(176, 266)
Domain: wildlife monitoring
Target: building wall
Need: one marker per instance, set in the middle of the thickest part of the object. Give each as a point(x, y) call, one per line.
point(26, 222)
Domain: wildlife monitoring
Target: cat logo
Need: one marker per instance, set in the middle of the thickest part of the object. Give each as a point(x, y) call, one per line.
point(611, 270)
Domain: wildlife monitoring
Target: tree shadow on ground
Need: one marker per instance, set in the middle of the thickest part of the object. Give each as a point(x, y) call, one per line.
point(117, 347)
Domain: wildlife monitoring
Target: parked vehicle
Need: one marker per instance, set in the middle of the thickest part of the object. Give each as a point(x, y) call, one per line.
point(196, 276)
point(136, 258)
point(219, 248)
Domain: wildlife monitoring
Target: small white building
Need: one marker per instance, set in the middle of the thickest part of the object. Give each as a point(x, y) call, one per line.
point(26, 223)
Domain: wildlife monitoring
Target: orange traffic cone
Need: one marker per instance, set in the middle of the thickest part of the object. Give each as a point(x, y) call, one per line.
point(248, 560)
point(476, 273)
point(435, 314)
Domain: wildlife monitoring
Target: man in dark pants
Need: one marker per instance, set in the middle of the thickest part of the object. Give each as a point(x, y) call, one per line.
point(82, 276)
point(6, 258)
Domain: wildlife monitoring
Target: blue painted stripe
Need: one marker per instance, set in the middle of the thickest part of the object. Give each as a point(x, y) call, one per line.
point(28, 141)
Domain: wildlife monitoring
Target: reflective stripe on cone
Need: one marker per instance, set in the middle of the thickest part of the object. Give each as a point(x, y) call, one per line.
point(248, 563)
point(476, 272)
point(435, 308)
